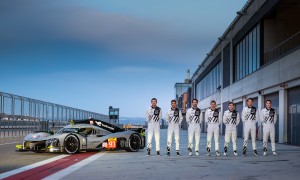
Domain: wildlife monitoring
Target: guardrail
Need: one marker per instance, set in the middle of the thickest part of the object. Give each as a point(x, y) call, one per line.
point(20, 115)
point(283, 48)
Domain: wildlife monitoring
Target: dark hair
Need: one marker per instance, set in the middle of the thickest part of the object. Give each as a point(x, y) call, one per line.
point(250, 99)
point(153, 99)
point(195, 100)
point(173, 101)
point(230, 103)
point(268, 100)
point(213, 101)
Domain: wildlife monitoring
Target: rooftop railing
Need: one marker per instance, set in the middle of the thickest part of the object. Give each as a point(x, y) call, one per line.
point(284, 48)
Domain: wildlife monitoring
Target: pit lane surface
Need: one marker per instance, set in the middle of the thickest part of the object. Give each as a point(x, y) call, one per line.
point(10, 159)
point(124, 165)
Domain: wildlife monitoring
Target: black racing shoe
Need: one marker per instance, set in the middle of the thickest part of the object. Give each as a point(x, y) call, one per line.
point(207, 151)
point(225, 149)
point(157, 153)
point(190, 151)
point(255, 153)
point(244, 150)
point(177, 153)
point(168, 153)
point(235, 153)
point(148, 153)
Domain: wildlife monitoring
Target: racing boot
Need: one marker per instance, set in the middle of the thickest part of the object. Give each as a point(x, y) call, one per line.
point(168, 151)
point(255, 152)
point(157, 153)
point(208, 151)
point(148, 151)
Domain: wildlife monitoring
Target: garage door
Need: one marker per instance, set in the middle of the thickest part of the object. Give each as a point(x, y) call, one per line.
point(275, 104)
point(293, 124)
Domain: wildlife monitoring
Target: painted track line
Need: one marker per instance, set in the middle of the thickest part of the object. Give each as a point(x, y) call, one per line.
point(9, 143)
point(29, 167)
point(53, 167)
point(75, 167)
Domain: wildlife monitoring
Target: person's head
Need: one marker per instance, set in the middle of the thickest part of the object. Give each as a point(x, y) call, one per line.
point(213, 104)
point(268, 104)
point(195, 102)
point(173, 103)
point(249, 102)
point(153, 102)
point(231, 106)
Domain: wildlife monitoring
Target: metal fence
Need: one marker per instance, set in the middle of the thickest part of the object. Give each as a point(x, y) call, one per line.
point(283, 48)
point(21, 115)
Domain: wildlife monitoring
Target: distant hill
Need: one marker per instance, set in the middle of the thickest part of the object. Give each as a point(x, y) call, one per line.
point(133, 121)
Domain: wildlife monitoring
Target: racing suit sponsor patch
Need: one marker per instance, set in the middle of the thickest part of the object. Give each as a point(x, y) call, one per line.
point(253, 110)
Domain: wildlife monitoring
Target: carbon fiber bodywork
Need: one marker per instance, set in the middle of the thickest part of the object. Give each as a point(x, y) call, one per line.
point(86, 135)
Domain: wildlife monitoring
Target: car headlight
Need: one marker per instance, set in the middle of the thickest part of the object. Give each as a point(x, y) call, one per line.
point(52, 142)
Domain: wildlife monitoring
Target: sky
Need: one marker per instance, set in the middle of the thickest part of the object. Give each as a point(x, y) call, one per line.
point(99, 53)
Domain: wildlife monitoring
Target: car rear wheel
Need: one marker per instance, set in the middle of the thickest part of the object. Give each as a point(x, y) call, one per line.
point(134, 143)
point(71, 144)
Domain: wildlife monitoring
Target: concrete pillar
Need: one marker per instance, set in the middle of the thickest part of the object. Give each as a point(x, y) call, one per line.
point(221, 109)
point(260, 106)
point(283, 114)
point(244, 105)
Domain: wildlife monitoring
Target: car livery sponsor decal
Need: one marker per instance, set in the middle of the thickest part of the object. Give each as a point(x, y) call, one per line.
point(104, 125)
point(104, 144)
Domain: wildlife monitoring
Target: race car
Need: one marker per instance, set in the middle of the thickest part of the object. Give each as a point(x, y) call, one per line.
point(85, 135)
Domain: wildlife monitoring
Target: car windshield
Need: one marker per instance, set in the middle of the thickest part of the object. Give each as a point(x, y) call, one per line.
point(68, 130)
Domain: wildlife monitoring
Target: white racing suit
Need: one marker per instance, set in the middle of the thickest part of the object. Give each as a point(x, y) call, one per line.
point(213, 120)
point(249, 118)
point(153, 117)
point(231, 119)
point(193, 118)
point(174, 119)
point(268, 118)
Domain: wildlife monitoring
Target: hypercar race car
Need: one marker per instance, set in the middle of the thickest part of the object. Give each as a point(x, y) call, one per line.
point(85, 135)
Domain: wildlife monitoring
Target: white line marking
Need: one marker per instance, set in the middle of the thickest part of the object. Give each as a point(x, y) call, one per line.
point(25, 168)
point(74, 167)
point(9, 143)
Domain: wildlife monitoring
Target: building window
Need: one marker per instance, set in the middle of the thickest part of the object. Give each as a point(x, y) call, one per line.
point(247, 54)
point(210, 83)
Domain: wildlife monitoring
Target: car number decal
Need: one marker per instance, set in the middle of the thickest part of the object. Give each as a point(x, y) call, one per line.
point(112, 143)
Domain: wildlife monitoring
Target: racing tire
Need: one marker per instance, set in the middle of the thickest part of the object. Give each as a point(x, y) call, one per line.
point(134, 143)
point(71, 144)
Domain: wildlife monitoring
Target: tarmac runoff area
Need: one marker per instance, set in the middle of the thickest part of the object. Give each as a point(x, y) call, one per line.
point(124, 165)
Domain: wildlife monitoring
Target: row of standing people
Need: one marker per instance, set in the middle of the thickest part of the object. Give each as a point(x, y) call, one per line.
point(213, 119)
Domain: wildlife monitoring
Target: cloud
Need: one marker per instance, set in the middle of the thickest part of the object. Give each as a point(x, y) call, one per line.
point(41, 22)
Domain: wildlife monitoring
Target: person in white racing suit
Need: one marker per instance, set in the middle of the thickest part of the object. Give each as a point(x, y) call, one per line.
point(174, 119)
point(231, 119)
point(153, 117)
point(268, 117)
point(193, 118)
point(213, 120)
point(249, 118)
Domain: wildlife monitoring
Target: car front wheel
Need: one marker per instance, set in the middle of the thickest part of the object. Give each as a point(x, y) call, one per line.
point(71, 144)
